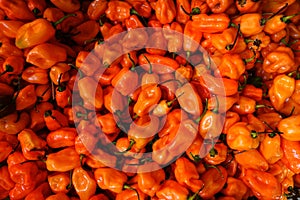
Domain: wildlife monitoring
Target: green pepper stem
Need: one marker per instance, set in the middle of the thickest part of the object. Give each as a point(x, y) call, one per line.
point(263, 21)
point(63, 18)
point(169, 103)
point(230, 46)
point(131, 188)
point(286, 19)
point(203, 113)
point(150, 68)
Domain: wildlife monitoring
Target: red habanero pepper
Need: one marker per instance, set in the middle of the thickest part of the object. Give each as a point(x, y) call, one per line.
point(165, 11)
point(160, 64)
point(54, 120)
point(16, 9)
point(118, 10)
point(219, 6)
point(210, 23)
point(63, 96)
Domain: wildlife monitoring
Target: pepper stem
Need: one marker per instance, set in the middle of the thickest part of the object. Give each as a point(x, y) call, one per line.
point(203, 113)
point(8, 68)
point(131, 188)
point(132, 62)
point(263, 21)
point(230, 46)
point(63, 18)
point(150, 68)
point(169, 103)
point(286, 19)
point(195, 157)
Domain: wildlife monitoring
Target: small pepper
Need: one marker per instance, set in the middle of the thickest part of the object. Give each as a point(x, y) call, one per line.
point(84, 184)
point(63, 160)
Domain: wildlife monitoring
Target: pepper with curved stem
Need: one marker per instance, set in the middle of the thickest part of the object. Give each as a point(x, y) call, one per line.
point(131, 188)
point(263, 21)
point(230, 46)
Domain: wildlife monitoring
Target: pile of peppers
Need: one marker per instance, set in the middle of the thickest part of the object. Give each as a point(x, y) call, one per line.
point(255, 47)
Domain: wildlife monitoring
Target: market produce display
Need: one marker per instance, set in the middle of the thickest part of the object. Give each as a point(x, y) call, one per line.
point(149, 99)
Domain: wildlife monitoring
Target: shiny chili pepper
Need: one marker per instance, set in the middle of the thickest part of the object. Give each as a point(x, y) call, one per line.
point(193, 37)
point(14, 122)
point(62, 137)
point(9, 28)
point(43, 93)
point(289, 128)
point(186, 174)
point(174, 38)
point(96, 9)
point(282, 88)
point(160, 64)
point(148, 97)
point(6, 182)
point(34, 33)
point(110, 179)
point(125, 81)
point(63, 160)
point(118, 11)
point(35, 75)
point(41, 192)
point(58, 196)
point(262, 184)
point(214, 179)
point(142, 8)
point(33, 147)
point(210, 23)
point(16, 10)
point(219, 6)
point(85, 32)
point(239, 137)
point(235, 188)
point(91, 92)
point(26, 98)
point(84, 184)
point(67, 6)
point(183, 10)
point(165, 11)
point(59, 182)
point(40, 55)
point(171, 189)
point(107, 123)
point(251, 159)
point(63, 96)
point(54, 120)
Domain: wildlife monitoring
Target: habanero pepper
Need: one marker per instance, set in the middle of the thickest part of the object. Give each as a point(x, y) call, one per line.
point(40, 55)
point(214, 180)
point(54, 119)
point(16, 10)
point(186, 174)
point(118, 11)
point(210, 23)
point(280, 60)
point(172, 32)
point(148, 97)
point(219, 6)
point(289, 127)
point(171, 189)
point(125, 81)
point(33, 33)
point(160, 64)
point(239, 137)
point(235, 188)
point(26, 98)
point(84, 183)
point(63, 96)
point(251, 159)
point(270, 148)
point(41, 192)
point(142, 7)
point(143, 129)
point(33, 147)
point(14, 122)
point(192, 37)
point(35, 75)
point(59, 182)
point(110, 179)
point(282, 88)
point(68, 6)
point(165, 11)
point(149, 182)
point(85, 32)
point(91, 93)
point(62, 137)
point(63, 160)
point(9, 28)
point(263, 184)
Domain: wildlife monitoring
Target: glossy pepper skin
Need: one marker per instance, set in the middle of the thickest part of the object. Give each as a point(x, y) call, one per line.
point(165, 11)
point(83, 183)
point(33, 33)
point(282, 88)
point(290, 128)
point(210, 23)
point(110, 179)
point(63, 160)
point(271, 187)
point(170, 189)
point(149, 96)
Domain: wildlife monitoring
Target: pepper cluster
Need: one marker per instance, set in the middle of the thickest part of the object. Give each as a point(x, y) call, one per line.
point(53, 51)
